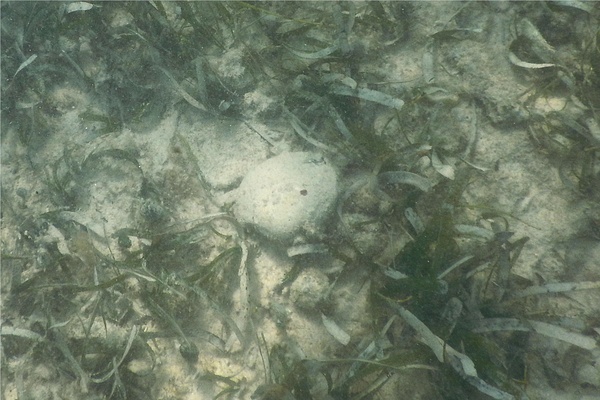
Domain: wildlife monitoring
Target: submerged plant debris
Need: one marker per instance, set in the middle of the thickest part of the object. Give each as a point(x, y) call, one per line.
point(460, 258)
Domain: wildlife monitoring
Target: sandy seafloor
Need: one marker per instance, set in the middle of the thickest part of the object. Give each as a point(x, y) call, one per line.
point(189, 162)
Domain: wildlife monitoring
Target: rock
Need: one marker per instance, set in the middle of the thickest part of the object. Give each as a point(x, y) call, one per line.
point(309, 289)
point(288, 195)
point(589, 374)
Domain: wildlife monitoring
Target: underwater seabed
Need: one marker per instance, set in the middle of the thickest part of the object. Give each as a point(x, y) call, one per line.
point(300, 200)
